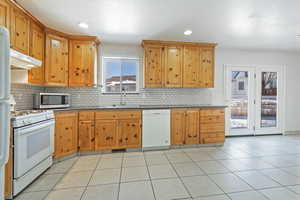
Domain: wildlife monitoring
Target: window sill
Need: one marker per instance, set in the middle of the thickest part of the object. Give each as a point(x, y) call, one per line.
point(115, 93)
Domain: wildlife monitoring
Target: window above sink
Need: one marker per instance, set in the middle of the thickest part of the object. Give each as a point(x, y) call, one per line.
point(120, 73)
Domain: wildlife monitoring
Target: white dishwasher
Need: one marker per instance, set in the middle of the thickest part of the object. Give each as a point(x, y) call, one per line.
point(156, 129)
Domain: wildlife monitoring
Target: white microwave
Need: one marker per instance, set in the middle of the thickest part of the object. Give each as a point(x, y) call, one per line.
point(51, 100)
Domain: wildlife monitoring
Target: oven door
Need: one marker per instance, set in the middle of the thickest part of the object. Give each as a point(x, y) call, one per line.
point(32, 144)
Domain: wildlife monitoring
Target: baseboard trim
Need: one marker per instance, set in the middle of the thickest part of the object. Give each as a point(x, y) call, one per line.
point(292, 132)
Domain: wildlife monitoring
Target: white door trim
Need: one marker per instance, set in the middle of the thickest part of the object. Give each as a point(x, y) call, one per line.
point(253, 94)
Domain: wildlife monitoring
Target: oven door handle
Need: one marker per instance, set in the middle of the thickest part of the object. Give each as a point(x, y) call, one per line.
point(33, 127)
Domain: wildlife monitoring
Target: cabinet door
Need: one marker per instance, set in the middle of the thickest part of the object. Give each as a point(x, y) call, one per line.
point(153, 66)
point(82, 63)
point(129, 133)
point(207, 68)
point(178, 126)
point(86, 136)
point(191, 66)
point(66, 134)
point(20, 28)
point(4, 13)
point(37, 50)
point(212, 126)
point(173, 66)
point(56, 65)
point(106, 134)
point(192, 130)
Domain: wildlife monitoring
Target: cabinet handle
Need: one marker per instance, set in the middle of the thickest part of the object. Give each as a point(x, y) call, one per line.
point(120, 140)
point(126, 139)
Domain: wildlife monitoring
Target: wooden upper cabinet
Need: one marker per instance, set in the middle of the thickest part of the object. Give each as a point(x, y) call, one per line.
point(178, 126)
point(207, 68)
point(191, 66)
point(170, 64)
point(173, 66)
point(37, 50)
point(56, 61)
point(4, 13)
point(66, 134)
point(153, 66)
point(82, 61)
point(20, 30)
point(192, 131)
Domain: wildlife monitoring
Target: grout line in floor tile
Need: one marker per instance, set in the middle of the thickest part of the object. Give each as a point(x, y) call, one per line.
point(150, 178)
point(120, 178)
point(60, 179)
point(86, 187)
point(185, 187)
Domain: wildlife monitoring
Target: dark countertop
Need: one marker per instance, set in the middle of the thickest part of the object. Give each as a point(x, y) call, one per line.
point(141, 107)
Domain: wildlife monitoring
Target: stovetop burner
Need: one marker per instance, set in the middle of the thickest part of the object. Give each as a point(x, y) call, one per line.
point(26, 117)
point(26, 112)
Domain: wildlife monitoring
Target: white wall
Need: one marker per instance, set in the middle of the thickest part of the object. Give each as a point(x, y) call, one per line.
point(290, 60)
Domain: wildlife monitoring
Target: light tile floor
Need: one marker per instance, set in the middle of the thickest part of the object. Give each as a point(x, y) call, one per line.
point(246, 168)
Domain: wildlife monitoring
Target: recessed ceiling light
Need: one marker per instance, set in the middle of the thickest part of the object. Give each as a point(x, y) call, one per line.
point(83, 25)
point(188, 32)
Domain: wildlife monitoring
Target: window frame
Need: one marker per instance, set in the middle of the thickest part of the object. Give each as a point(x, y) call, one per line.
point(137, 59)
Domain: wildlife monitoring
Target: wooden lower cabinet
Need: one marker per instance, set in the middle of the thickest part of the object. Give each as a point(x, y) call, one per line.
point(106, 134)
point(192, 126)
point(197, 126)
point(118, 130)
point(86, 131)
point(66, 133)
point(121, 129)
point(212, 126)
point(185, 126)
point(129, 133)
point(86, 136)
point(178, 126)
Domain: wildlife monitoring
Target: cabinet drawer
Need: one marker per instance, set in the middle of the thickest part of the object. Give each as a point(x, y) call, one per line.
point(212, 135)
point(213, 140)
point(208, 128)
point(106, 115)
point(211, 119)
point(212, 112)
point(86, 116)
point(134, 114)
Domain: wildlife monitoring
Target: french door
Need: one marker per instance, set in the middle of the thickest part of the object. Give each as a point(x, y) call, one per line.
point(255, 95)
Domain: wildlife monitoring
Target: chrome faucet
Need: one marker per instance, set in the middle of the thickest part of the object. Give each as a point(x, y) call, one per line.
point(123, 97)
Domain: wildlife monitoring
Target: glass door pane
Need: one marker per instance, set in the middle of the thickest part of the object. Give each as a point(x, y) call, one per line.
point(268, 99)
point(239, 100)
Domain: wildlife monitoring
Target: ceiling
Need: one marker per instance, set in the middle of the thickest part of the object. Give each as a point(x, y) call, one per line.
point(245, 24)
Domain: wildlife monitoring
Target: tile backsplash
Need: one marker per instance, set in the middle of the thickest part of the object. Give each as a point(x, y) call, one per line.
point(94, 97)
point(82, 96)
point(23, 95)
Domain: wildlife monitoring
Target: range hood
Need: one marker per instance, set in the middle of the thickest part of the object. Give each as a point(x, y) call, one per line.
point(22, 61)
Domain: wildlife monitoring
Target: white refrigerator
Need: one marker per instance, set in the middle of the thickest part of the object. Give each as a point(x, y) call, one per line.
point(4, 103)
